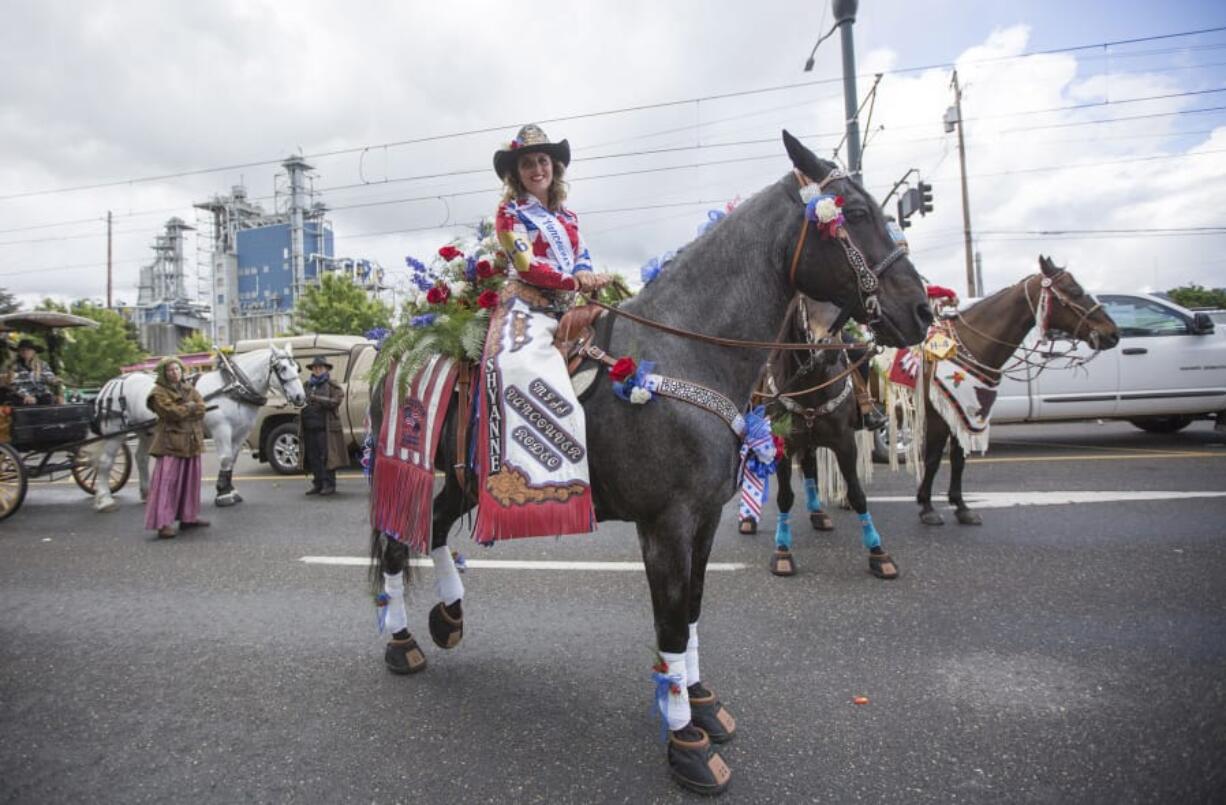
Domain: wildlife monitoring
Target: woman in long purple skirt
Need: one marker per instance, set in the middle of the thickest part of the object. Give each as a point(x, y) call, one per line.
point(178, 441)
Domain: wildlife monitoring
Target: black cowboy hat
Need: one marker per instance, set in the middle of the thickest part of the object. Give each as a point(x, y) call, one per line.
point(25, 342)
point(319, 361)
point(529, 140)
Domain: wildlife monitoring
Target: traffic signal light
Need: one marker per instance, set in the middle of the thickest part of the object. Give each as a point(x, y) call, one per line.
point(902, 216)
point(925, 197)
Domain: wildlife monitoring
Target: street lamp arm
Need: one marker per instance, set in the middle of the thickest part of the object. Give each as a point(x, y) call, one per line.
point(822, 38)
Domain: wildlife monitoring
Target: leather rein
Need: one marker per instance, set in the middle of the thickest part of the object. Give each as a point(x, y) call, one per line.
point(867, 278)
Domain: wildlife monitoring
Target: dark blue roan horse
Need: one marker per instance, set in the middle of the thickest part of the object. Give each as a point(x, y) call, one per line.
point(734, 282)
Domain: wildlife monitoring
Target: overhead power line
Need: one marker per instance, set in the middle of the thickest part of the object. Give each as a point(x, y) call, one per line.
point(588, 115)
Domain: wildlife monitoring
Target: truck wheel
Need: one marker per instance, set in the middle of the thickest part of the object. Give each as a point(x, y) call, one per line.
point(881, 444)
point(282, 448)
point(1162, 424)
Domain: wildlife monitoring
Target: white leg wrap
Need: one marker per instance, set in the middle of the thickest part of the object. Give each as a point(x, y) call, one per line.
point(393, 585)
point(679, 701)
point(691, 656)
point(447, 584)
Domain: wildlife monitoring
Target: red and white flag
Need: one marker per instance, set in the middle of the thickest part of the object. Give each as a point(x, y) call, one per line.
point(906, 367)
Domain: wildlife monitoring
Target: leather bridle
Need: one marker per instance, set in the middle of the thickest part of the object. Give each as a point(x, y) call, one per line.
point(868, 277)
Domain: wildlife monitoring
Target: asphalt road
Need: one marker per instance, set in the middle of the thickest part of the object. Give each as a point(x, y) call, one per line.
point(1058, 653)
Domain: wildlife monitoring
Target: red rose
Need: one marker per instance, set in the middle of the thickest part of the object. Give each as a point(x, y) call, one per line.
point(438, 294)
point(838, 201)
point(779, 447)
point(485, 269)
point(488, 299)
point(625, 367)
point(450, 253)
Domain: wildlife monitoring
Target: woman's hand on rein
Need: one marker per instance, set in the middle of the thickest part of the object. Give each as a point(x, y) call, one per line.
point(590, 282)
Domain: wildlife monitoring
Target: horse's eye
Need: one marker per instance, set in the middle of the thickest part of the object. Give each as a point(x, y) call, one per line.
point(855, 214)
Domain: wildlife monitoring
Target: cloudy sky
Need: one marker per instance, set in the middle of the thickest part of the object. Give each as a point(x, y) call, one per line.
point(1110, 158)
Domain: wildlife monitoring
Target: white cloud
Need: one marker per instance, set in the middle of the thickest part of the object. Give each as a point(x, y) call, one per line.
point(142, 89)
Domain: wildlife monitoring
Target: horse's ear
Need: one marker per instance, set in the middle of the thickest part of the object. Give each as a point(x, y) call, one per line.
point(1046, 265)
point(803, 159)
point(289, 348)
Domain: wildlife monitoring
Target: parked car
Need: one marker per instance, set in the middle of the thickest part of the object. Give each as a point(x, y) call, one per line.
point(274, 438)
point(1168, 370)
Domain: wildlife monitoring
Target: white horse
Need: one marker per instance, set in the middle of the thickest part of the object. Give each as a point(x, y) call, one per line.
point(235, 398)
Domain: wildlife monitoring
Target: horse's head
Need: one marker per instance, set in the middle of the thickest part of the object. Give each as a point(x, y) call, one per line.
point(284, 368)
point(847, 255)
point(1068, 308)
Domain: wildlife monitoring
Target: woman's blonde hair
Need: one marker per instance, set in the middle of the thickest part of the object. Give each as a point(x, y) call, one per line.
point(513, 188)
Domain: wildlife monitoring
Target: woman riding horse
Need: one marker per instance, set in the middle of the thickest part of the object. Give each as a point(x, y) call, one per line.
point(720, 302)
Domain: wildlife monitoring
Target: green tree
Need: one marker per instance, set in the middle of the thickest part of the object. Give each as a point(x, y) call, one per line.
point(198, 341)
point(8, 302)
point(340, 307)
point(1195, 296)
point(91, 356)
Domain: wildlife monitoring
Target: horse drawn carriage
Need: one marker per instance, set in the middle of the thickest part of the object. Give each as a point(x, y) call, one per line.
point(43, 441)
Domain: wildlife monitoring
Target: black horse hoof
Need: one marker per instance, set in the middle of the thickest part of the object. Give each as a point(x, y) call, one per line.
point(931, 517)
point(447, 624)
point(404, 656)
point(821, 521)
point(882, 565)
point(710, 715)
point(694, 766)
point(782, 563)
point(748, 527)
point(967, 517)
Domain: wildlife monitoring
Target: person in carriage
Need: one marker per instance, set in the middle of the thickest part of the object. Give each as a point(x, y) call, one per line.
point(29, 381)
point(530, 414)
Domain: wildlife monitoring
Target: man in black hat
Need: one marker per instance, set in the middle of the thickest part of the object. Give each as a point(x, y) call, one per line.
point(321, 434)
point(29, 381)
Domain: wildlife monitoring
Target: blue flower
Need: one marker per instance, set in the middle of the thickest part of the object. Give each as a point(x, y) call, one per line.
point(713, 218)
point(424, 320)
point(417, 265)
point(377, 335)
point(423, 282)
point(470, 269)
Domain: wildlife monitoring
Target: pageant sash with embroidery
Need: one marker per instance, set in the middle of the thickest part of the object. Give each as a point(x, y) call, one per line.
point(964, 398)
point(533, 462)
point(402, 498)
point(554, 233)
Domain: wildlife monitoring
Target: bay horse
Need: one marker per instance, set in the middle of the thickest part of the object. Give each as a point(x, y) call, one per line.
point(814, 392)
point(735, 281)
point(234, 394)
point(986, 335)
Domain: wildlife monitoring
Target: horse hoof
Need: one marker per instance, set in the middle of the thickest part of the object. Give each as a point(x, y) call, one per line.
point(748, 527)
point(882, 566)
point(694, 766)
point(447, 624)
point(710, 715)
point(404, 656)
point(968, 517)
point(821, 521)
point(931, 518)
point(223, 501)
point(109, 506)
point(782, 563)
point(144, 495)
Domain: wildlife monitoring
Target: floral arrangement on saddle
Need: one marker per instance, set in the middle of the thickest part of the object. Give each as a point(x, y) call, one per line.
point(451, 302)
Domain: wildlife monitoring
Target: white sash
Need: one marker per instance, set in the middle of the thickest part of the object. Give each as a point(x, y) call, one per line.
point(554, 233)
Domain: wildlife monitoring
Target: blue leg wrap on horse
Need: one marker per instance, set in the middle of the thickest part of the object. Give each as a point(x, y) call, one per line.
point(812, 500)
point(783, 531)
point(871, 538)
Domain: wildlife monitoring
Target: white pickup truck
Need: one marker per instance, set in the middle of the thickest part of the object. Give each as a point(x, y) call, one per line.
point(1168, 370)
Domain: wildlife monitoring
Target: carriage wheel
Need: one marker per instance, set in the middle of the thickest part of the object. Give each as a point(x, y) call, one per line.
point(85, 467)
point(12, 481)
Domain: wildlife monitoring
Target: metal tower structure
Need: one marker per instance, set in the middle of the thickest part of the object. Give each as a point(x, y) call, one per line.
point(165, 314)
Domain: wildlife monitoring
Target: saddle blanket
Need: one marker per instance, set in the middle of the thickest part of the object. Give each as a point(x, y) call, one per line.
point(402, 500)
point(964, 398)
point(531, 454)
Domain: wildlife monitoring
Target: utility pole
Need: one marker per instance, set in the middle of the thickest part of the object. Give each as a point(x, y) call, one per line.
point(108, 259)
point(954, 116)
point(844, 18)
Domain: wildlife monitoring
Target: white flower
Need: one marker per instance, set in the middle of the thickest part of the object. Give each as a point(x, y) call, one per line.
point(639, 395)
point(457, 287)
point(826, 210)
point(419, 299)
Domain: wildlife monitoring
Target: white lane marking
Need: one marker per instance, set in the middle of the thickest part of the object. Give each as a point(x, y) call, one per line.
point(515, 564)
point(1002, 500)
